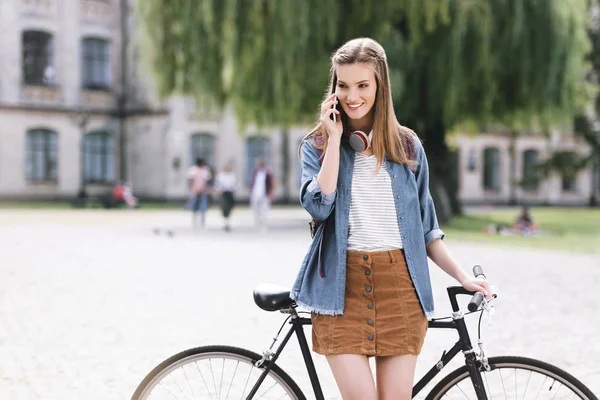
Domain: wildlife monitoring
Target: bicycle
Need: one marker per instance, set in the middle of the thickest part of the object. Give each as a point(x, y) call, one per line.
point(216, 367)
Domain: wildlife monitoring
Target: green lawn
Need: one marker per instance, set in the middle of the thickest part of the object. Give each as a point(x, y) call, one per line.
point(572, 229)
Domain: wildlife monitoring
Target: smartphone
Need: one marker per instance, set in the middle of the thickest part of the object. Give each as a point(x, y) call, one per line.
point(337, 107)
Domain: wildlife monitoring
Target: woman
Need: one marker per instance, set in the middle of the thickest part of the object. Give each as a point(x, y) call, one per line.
point(365, 278)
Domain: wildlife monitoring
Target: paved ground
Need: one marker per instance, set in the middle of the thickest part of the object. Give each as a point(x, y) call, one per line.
point(90, 301)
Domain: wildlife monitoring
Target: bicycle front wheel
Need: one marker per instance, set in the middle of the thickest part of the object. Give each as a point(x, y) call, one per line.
point(215, 372)
point(514, 378)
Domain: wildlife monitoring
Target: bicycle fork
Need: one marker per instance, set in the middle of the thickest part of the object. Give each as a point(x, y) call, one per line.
point(471, 355)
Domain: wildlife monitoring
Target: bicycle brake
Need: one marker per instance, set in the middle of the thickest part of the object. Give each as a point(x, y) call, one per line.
point(483, 357)
point(266, 356)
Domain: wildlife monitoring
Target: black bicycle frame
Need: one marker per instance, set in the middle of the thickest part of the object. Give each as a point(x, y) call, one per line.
point(297, 327)
point(463, 344)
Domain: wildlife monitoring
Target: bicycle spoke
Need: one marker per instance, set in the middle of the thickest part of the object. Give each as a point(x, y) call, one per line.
point(202, 376)
point(245, 386)
point(222, 373)
point(232, 376)
point(459, 388)
point(213, 375)
point(512, 383)
point(541, 387)
point(232, 379)
point(503, 387)
point(264, 393)
point(188, 382)
point(488, 386)
point(527, 385)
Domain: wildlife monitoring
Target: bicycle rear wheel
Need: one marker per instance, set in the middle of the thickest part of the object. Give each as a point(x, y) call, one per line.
point(514, 378)
point(215, 372)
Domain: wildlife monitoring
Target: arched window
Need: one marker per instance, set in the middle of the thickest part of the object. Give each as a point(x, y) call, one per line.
point(256, 147)
point(41, 155)
point(96, 73)
point(202, 145)
point(491, 168)
point(98, 157)
point(530, 173)
point(38, 58)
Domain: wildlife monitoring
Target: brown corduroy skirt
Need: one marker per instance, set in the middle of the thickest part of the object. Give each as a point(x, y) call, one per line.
point(382, 313)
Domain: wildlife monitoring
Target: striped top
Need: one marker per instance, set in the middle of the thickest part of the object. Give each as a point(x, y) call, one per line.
point(373, 224)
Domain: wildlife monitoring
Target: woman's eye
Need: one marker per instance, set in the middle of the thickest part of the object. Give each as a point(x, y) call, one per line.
point(341, 85)
point(363, 85)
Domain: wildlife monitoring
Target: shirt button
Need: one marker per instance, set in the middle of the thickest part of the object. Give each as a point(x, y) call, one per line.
point(370, 306)
point(394, 176)
point(397, 197)
point(401, 217)
point(371, 337)
point(365, 257)
point(368, 272)
point(368, 289)
point(370, 322)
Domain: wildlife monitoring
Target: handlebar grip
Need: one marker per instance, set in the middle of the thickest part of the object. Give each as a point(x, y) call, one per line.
point(476, 300)
point(478, 272)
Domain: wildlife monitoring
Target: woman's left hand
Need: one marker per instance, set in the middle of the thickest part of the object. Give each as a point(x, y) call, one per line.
point(478, 285)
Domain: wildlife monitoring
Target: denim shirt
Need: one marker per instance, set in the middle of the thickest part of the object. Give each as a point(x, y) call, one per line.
point(323, 293)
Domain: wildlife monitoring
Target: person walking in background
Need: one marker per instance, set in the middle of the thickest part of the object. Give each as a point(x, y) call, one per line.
point(225, 185)
point(261, 194)
point(198, 177)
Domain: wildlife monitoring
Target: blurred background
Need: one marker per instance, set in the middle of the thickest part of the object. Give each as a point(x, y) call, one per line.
point(95, 92)
point(97, 95)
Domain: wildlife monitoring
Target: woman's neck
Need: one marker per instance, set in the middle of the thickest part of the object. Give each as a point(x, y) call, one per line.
point(364, 124)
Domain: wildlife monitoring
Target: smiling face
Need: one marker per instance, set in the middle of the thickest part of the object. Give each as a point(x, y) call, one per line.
point(356, 91)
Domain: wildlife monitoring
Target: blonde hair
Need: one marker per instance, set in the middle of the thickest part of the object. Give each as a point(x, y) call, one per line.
point(389, 137)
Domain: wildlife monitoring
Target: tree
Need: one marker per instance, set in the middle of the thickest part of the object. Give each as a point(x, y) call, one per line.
point(512, 62)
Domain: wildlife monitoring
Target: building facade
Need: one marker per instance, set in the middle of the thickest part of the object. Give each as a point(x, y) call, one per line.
point(78, 110)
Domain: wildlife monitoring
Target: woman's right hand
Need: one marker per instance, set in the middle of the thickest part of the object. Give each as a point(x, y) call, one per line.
point(334, 129)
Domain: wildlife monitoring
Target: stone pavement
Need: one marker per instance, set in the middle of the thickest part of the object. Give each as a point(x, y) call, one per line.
point(91, 301)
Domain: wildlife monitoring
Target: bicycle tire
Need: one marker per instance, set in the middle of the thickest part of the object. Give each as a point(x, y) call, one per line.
point(525, 365)
point(185, 358)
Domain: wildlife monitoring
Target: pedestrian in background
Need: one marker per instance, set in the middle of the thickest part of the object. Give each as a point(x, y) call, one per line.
point(198, 177)
point(225, 185)
point(262, 188)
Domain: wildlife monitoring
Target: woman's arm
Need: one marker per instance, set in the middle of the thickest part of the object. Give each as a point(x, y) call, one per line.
point(439, 254)
point(328, 175)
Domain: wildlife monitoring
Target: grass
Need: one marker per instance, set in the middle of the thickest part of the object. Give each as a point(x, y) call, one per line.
point(572, 229)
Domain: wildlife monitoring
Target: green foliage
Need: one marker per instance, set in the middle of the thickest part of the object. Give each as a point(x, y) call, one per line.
point(518, 62)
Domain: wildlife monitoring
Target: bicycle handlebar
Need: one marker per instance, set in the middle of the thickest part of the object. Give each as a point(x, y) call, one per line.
point(478, 297)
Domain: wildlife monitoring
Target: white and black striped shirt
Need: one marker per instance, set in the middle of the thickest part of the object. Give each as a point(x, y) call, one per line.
point(373, 224)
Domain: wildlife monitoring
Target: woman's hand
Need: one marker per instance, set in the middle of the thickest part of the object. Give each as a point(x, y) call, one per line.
point(478, 285)
point(334, 129)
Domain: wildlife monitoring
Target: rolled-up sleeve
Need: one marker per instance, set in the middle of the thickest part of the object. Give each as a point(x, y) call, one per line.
point(431, 228)
point(318, 204)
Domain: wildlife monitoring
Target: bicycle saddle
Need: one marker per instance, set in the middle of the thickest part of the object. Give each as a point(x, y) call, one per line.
point(272, 297)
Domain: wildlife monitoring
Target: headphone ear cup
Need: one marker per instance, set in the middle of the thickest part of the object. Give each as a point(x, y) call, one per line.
point(359, 141)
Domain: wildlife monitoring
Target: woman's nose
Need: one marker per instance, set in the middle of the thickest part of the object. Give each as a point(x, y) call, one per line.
point(352, 96)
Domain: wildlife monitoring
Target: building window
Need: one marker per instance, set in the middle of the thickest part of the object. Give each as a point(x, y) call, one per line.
point(41, 156)
point(202, 145)
point(530, 173)
point(491, 168)
point(98, 157)
point(38, 58)
point(256, 147)
point(96, 64)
